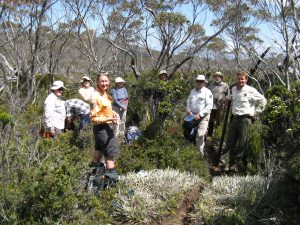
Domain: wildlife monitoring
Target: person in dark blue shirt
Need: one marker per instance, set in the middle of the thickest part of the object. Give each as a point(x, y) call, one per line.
point(120, 96)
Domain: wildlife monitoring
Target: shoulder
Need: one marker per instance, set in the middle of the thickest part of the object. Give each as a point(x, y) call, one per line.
point(50, 97)
point(250, 89)
point(206, 90)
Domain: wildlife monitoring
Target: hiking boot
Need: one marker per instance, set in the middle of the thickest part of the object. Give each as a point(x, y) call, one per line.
point(216, 169)
point(234, 169)
point(226, 168)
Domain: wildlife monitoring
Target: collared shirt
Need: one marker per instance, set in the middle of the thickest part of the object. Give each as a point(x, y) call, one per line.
point(54, 112)
point(200, 101)
point(120, 96)
point(77, 107)
point(86, 93)
point(219, 91)
point(101, 108)
point(247, 101)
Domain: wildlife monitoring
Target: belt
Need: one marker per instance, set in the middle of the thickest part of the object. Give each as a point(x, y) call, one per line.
point(241, 116)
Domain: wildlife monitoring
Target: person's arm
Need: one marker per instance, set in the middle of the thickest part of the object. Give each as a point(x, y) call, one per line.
point(85, 95)
point(188, 104)
point(260, 102)
point(114, 96)
point(49, 113)
point(209, 102)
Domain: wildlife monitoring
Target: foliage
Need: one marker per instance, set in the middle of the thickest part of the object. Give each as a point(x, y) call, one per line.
point(229, 200)
point(149, 195)
point(168, 150)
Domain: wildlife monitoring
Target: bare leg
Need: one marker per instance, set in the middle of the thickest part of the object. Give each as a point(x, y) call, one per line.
point(97, 157)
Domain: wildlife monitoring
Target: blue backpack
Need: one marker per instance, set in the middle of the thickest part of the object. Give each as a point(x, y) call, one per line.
point(133, 133)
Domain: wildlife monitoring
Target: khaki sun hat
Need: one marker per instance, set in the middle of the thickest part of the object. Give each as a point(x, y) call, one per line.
point(218, 73)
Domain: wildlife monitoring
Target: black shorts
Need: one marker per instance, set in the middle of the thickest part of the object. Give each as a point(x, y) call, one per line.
point(105, 140)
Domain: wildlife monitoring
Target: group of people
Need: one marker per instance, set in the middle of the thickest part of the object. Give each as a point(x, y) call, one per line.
point(207, 104)
point(108, 113)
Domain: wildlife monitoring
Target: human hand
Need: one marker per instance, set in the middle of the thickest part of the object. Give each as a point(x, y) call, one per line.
point(52, 132)
point(190, 113)
point(197, 117)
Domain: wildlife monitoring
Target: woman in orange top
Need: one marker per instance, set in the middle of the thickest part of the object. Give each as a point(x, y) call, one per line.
point(103, 118)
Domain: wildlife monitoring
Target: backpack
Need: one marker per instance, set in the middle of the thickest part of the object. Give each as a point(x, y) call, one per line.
point(190, 128)
point(101, 179)
point(133, 133)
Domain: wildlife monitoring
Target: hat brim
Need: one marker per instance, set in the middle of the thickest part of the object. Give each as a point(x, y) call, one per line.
point(57, 87)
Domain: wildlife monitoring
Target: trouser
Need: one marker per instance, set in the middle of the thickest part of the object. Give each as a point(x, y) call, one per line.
point(237, 131)
point(215, 120)
point(84, 120)
point(120, 127)
point(202, 128)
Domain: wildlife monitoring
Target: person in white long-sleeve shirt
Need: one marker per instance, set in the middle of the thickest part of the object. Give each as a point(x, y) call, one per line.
point(55, 110)
point(86, 91)
point(200, 104)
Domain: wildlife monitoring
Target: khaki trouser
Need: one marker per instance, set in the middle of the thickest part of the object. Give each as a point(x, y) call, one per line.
point(202, 128)
point(237, 131)
point(120, 127)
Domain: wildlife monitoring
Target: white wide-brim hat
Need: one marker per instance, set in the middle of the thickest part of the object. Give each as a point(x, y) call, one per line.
point(85, 78)
point(162, 72)
point(201, 77)
point(119, 80)
point(57, 85)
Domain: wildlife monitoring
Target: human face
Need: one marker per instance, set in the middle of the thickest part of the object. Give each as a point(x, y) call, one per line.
point(217, 78)
point(103, 83)
point(163, 77)
point(200, 83)
point(241, 81)
point(119, 84)
point(59, 92)
point(86, 83)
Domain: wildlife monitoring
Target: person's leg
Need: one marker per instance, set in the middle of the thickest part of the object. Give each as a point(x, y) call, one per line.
point(97, 157)
point(110, 162)
point(244, 127)
point(231, 140)
point(123, 122)
point(202, 128)
point(84, 120)
point(117, 109)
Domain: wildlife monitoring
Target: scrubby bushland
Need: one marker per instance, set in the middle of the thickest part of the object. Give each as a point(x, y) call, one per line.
point(167, 150)
point(40, 178)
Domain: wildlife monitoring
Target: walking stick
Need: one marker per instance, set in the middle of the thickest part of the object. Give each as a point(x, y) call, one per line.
point(223, 130)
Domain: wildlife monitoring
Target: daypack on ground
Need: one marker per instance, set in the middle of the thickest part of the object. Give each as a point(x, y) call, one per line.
point(101, 179)
point(132, 133)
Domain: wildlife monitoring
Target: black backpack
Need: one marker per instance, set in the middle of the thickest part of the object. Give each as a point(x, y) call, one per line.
point(190, 129)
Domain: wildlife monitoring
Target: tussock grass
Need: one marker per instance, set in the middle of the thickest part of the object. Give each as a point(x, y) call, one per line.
point(228, 200)
point(150, 195)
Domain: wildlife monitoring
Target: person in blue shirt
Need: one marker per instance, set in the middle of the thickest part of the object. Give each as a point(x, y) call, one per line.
point(120, 96)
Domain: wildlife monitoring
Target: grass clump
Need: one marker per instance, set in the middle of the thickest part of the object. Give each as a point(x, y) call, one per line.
point(229, 200)
point(151, 195)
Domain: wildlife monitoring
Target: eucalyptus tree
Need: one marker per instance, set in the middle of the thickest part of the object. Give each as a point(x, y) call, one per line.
point(151, 33)
point(283, 16)
point(31, 46)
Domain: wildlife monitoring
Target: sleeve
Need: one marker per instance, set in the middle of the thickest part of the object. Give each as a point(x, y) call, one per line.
point(259, 101)
point(209, 102)
point(85, 94)
point(95, 113)
point(49, 112)
point(188, 103)
point(68, 109)
point(114, 96)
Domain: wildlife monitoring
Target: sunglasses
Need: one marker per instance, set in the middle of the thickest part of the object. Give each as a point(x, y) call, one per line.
point(60, 89)
point(200, 81)
point(86, 80)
